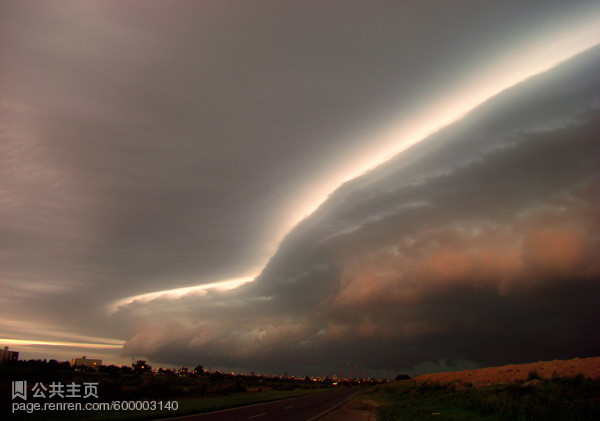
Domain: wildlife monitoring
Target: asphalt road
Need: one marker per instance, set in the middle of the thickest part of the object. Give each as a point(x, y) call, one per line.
point(303, 408)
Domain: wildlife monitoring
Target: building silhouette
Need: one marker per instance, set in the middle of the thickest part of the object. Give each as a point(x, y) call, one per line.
point(86, 362)
point(6, 355)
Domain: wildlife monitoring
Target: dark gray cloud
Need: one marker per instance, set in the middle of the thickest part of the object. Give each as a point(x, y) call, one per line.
point(147, 147)
point(478, 245)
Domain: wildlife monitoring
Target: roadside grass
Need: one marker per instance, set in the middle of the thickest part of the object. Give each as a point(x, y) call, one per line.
point(191, 405)
point(572, 398)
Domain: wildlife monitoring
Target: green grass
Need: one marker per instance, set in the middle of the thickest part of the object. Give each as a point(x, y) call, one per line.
point(547, 399)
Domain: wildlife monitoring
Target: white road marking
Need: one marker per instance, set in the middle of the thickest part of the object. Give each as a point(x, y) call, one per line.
point(334, 407)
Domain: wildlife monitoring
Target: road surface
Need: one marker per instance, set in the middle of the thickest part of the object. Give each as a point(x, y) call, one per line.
point(303, 408)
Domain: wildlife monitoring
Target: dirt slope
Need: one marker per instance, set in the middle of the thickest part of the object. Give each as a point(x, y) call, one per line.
point(589, 367)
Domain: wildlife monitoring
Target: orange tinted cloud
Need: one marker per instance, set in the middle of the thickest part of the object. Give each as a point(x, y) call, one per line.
point(492, 256)
point(556, 251)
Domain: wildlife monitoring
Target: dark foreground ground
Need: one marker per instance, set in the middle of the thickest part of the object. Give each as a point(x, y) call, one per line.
point(560, 398)
point(296, 409)
point(49, 389)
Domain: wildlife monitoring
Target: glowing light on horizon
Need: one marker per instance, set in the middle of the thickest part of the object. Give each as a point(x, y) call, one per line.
point(495, 76)
point(26, 342)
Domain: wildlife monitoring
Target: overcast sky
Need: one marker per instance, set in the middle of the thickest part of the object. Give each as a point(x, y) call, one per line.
point(398, 185)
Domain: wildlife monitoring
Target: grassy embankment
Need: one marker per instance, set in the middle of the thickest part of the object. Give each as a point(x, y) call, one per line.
point(566, 398)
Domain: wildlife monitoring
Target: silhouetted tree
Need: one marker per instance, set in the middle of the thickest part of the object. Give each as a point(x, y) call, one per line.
point(126, 370)
point(141, 367)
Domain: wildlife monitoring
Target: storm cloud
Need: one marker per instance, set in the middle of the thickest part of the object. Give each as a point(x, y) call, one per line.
point(479, 244)
point(327, 152)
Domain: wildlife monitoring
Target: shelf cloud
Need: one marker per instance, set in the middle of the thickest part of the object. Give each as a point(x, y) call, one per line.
point(286, 186)
point(478, 244)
